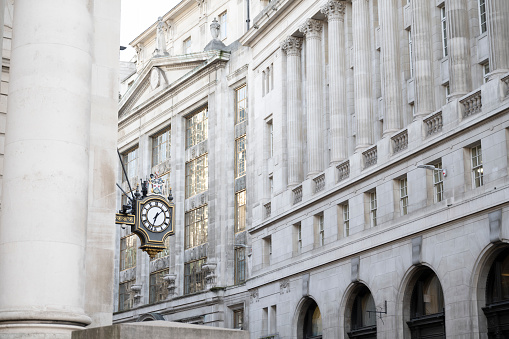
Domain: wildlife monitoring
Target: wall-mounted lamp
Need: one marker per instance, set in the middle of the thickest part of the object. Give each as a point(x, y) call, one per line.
point(433, 168)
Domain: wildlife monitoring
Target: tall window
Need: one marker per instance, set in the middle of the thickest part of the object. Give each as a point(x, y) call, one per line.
point(346, 219)
point(299, 237)
point(271, 138)
point(438, 183)
point(267, 250)
point(240, 104)
point(238, 319)
point(164, 252)
point(372, 208)
point(196, 227)
point(403, 195)
point(158, 287)
point(128, 252)
point(361, 318)
point(485, 71)
point(497, 296)
point(240, 265)
point(130, 160)
point(240, 211)
point(477, 170)
point(187, 46)
point(197, 172)
point(197, 128)
point(482, 16)
point(410, 54)
point(240, 156)
point(125, 296)
point(443, 20)
point(222, 22)
point(161, 147)
point(321, 231)
point(194, 277)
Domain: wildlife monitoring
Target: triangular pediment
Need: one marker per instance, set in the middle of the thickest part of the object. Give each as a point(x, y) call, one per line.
point(162, 73)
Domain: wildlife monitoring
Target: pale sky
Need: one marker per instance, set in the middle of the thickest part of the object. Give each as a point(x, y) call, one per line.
point(136, 17)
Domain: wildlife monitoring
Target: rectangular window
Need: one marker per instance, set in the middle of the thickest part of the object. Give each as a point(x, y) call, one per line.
point(443, 19)
point(196, 228)
point(197, 176)
point(321, 232)
point(477, 170)
point(403, 195)
point(482, 16)
point(267, 250)
point(271, 138)
point(372, 208)
point(346, 220)
point(187, 46)
point(240, 265)
point(438, 183)
point(240, 156)
point(240, 211)
point(299, 237)
point(164, 252)
point(158, 287)
point(410, 54)
point(238, 319)
point(485, 71)
point(222, 22)
point(128, 252)
point(161, 147)
point(130, 160)
point(197, 128)
point(240, 104)
point(271, 185)
point(194, 277)
point(125, 296)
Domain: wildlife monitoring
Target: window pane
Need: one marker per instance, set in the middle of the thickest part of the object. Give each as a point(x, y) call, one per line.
point(240, 211)
point(196, 228)
point(197, 176)
point(240, 104)
point(158, 288)
point(197, 128)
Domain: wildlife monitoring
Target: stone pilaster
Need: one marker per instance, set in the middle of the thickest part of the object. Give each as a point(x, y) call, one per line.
point(390, 66)
point(422, 51)
point(458, 45)
point(335, 11)
point(362, 73)
point(498, 35)
point(293, 46)
point(312, 29)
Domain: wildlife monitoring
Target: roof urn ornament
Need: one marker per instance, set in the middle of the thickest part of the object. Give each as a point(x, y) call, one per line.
point(214, 29)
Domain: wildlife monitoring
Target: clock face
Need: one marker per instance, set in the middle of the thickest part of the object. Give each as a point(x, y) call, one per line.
point(155, 216)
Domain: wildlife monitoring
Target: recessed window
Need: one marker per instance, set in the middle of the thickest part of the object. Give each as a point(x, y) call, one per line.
point(158, 287)
point(346, 219)
point(223, 27)
point(238, 319)
point(270, 128)
point(267, 250)
point(240, 211)
point(196, 227)
point(240, 265)
point(321, 231)
point(187, 46)
point(438, 183)
point(485, 71)
point(240, 156)
point(482, 16)
point(161, 147)
point(128, 252)
point(240, 104)
point(130, 160)
point(372, 208)
point(403, 195)
point(194, 277)
point(165, 252)
point(477, 169)
point(410, 54)
point(298, 236)
point(197, 128)
point(197, 176)
point(443, 20)
point(363, 322)
point(125, 296)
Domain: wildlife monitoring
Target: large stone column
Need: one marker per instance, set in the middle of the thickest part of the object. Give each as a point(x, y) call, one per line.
point(362, 73)
point(46, 170)
point(391, 66)
point(422, 51)
point(498, 35)
point(292, 46)
point(335, 11)
point(458, 45)
point(312, 29)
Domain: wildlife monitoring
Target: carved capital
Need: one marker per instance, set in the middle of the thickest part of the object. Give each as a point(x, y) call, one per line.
point(334, 10)
point(292, 45)
point(311, 28)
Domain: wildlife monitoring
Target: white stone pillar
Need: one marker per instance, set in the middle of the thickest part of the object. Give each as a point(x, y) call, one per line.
point(362, 73)
point(312, 29)
point(292, 46)
point(423, 56)
point(391, 66)
point(335, 11)
point(46, 169)
point(498, 35)
point(458, 45)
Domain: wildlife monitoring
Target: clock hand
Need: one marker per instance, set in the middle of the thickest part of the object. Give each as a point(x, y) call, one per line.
point(157, 214)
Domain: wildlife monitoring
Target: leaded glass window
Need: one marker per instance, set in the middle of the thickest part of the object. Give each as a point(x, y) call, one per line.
point(164, 252)
point(240, 104)
point(158, 288)
point(197, 174)
point(240, 265)
point(197, 128)
point(240, 211)
point(161, 147)
point(194, 277)
point(196, 227)
point(128, 252)
point(125, 296)
point(240, 158)
point(130, 160)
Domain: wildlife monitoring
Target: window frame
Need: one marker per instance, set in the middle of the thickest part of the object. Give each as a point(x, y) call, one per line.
point(240, 265)
point(443, 28)
point(240, 218)
point(476, 166)
point(483, 22)
point(130, 165)
point(240, 104)
point(438, 183)
point(193, 137)
point(156, 148)
point(240, 156)
point(126, 287)
point(197, 175)
point(189, 282)
point(403, 195)
point(124, 252)
point(346, 219)
point(373, 206)
point(187, 45)
point(198, 237)
point(153, 285)
point(223, 31)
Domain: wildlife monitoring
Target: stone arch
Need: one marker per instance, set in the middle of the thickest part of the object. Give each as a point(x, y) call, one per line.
point(479, 282)
point(350, 298)
point(151, 316)
point(302, 312)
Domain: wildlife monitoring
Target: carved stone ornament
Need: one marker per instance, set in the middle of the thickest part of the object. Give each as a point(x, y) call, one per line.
point(139, 55)
point(210, 274)
point(312, 28)
point(284, 286)
point(160, 38)
point(254, 295)
point(136, 290)
point(170, 279)
point(334, 10)
point(292, 45)
point(155, 78)
point(214, 29)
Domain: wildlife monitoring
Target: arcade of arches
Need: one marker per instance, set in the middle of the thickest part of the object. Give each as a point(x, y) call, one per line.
point(423, 306)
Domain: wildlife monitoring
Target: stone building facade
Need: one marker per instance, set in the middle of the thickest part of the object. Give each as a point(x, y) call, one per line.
point(339, 168)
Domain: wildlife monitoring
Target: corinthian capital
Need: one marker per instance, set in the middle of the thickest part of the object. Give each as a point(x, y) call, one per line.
point(292, 45)
point(311, 28)
point(334, 9)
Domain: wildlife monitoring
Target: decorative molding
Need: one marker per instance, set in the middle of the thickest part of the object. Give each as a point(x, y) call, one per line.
point(292, 45)
point(472, 104)
point(305, 285)
point(253, 295)
point(433, 123)
point(312, 28)
point(400, 141)
point(284, 286)
point(237, 72)
point(334, 10)
point(268, 210)
point(297, 194)
point(370, 157)
point(343, 170)
point(319, 183)
point(172, 287)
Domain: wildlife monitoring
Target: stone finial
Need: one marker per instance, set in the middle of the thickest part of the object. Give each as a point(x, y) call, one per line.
point(334, 9)
point(292, 45)
point(214, 29)
point(311, 28)
point(139, 55)
point(160, 38)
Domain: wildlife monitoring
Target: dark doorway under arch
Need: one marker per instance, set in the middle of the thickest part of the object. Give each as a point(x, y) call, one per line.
point(363, 320)
point(312, 326)
point(497, 297)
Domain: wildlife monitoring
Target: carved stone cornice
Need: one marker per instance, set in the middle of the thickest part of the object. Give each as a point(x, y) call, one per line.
point(312, 28)
point(334, 10)
point(292, 45)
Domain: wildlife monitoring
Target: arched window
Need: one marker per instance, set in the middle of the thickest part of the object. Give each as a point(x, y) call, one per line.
point(427, 316)
point(313, 322)
point(497, 297)
point(363, 319)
